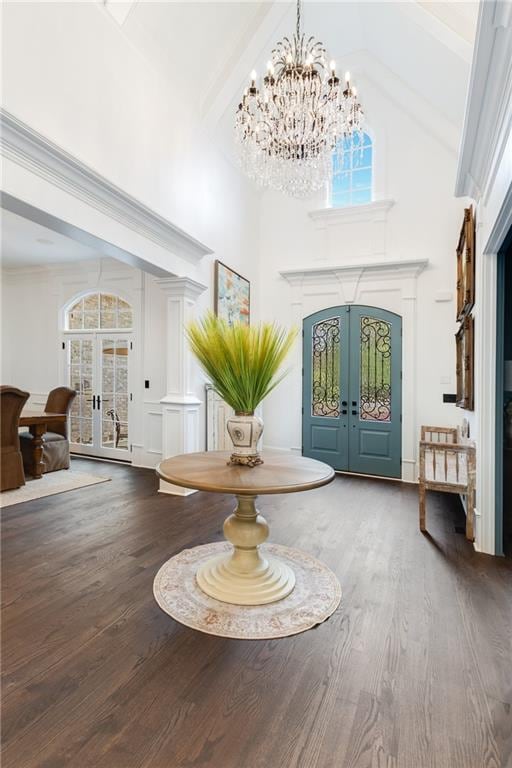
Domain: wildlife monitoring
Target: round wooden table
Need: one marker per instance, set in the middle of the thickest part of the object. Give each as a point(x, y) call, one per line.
point(245, 576)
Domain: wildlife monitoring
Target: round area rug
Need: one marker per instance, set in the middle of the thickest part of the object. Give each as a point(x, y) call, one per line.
point(316, 596)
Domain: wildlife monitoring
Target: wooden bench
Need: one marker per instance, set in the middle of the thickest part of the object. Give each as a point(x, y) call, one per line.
point(448, 464)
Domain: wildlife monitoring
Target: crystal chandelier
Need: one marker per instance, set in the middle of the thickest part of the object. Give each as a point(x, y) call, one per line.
point(287, 130)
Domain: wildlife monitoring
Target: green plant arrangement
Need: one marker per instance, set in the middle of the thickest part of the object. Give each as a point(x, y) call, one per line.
point(243, 364)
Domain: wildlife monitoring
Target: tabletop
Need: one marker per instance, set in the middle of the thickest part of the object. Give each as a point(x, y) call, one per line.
point(36, 417)
point(280, 473)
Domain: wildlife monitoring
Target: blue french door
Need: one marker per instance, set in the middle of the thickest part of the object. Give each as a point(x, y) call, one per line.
point(352, 389)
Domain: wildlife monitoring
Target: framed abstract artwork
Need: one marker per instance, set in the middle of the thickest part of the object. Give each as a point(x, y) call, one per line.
point(465, 364)
point(232, 295)
point(466, 265)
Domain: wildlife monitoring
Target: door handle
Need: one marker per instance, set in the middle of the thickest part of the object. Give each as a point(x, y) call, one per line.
point(99, 401)
point(94, 402)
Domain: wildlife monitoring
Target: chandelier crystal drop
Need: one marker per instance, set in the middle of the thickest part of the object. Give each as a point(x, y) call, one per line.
point(287, 129)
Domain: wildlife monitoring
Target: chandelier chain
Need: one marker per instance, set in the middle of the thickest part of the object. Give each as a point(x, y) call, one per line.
point(298, 19)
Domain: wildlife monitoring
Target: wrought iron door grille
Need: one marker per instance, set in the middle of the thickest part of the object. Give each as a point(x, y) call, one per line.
point(326, 368)
point(375, 372)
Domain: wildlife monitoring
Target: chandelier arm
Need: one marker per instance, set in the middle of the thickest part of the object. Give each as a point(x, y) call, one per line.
point(286, 132)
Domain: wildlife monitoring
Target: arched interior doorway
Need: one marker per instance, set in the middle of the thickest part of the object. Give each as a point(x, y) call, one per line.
point(97, 344)
point(352, 389)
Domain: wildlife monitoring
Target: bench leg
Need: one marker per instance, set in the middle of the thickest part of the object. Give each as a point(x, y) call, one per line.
point(470, 517)
point(423, 526)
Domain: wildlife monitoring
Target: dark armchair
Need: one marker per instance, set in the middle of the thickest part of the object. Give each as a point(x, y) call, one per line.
point(55, 441)
point(12, 401)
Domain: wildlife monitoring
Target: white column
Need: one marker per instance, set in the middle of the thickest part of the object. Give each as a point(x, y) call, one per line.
point(180, 406)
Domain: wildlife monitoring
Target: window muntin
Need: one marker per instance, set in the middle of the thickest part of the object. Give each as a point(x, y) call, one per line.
point(352, 166)
point(99, 311)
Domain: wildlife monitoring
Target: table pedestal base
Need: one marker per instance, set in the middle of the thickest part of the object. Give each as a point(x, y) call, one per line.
point(244, 577)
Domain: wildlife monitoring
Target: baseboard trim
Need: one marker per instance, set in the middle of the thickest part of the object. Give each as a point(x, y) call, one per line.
point(376, 477)
point(123, 462)
point(344, 472)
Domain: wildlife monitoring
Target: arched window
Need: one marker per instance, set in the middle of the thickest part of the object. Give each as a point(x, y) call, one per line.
point(99, 311)
point(352, 171)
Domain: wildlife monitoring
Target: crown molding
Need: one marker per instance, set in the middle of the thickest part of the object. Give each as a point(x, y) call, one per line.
point(488, 118)
point(38, 154)
point(502, 225)
point(352, 214)
point(181, 287)
point(316, 275)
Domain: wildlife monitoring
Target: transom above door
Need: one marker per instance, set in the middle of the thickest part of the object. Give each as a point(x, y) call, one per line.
point(352, 389)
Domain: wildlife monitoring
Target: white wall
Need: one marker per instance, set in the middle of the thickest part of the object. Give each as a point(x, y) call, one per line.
point(485, 173)
point(493, 213)
point(417, 172)
point(32, 325)
point(71, 74)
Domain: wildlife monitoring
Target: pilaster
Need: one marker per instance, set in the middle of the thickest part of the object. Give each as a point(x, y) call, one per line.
point(180, 406)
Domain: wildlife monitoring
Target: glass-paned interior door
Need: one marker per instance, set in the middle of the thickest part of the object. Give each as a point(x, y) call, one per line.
point(80, 358)
point(114, 395)
point(97, 368)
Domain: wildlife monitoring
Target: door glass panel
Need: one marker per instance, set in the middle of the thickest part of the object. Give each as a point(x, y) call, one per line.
point(325, 367)
point(114, 407)
point(80, 379)
point(375, 370)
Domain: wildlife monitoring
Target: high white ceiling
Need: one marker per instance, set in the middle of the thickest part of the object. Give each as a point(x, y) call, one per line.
point(26, 244)
point(208, 49)
point(460, 17)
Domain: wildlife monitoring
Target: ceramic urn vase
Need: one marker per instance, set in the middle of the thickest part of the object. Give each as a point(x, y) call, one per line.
point(245, 430)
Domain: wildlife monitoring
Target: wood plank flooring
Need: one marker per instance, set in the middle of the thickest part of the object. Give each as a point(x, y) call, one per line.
point(414, 670)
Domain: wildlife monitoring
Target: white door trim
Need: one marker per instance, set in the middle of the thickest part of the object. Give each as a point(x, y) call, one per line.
point(96, 336)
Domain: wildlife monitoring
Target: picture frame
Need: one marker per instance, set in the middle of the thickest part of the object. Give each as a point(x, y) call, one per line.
point(232, 295)
point(466, 265)
point(464, 339)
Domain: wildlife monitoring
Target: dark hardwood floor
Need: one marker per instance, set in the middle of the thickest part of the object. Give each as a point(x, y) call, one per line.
point(414, 670)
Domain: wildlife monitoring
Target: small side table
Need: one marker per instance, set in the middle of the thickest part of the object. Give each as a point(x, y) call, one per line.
point(245, 576)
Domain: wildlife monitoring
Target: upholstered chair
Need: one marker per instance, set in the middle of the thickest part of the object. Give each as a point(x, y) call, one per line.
point(12, 401)
point(55, 441)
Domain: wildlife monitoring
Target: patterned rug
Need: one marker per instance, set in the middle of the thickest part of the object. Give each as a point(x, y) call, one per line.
point(316, 596)
point(47, 485)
